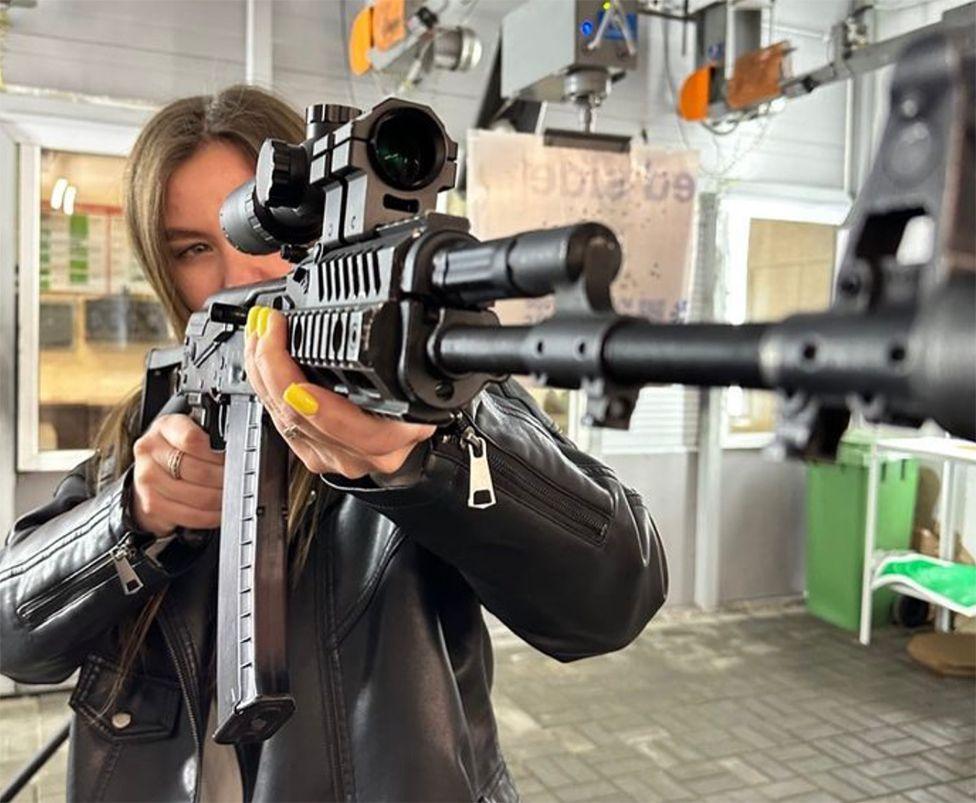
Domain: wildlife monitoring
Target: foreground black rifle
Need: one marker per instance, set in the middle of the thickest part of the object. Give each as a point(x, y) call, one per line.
point(388, 304)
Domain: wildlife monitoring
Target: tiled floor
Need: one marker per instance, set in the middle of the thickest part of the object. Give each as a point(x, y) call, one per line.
point(769, 705)
point(765, 705)
point(27, 723)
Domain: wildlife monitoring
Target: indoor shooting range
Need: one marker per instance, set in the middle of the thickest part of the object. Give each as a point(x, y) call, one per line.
point(483, 401)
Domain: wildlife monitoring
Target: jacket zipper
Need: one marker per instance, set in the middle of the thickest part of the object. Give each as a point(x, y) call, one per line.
point(487, 465)
point(118, 559)
point(481, 488)
point(187, 698)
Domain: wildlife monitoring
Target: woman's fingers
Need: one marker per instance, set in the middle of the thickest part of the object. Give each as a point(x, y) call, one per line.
point(156, 477)
point(161, 501)
point(341, 421)
point(161, 516)
point(319, 454)
point(327, 432)
point(279, 379)
point(183, 433)
point(250, 367)
point(193, 470)
point(272, 366)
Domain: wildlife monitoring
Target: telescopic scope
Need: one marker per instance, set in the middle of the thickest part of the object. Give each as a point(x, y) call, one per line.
point(407, 149)
point(353, 172)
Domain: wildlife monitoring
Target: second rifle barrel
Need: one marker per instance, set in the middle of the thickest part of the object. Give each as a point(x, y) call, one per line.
point(635, 352)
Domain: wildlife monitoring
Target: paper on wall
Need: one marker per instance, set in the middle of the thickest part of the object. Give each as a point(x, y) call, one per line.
point(647, 197)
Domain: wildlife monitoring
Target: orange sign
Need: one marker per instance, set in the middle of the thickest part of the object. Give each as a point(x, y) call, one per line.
point(693, 101)
point(360, 41)
point(757, 76)
point(389, 23)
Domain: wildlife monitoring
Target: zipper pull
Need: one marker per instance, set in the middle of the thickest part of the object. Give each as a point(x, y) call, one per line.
point(127, 575)
point(481, 490)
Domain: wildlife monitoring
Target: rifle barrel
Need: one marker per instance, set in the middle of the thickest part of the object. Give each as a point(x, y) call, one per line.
point(703, 354)
point(919, 359)
point(635, 352)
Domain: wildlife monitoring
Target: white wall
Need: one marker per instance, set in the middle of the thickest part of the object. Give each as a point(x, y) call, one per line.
point(115, 48)
point(159, 51)
point(125, 49)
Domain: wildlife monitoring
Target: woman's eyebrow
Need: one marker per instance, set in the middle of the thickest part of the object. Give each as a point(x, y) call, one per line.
point(184, 234)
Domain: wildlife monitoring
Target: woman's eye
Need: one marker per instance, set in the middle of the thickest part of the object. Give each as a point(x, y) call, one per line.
point(192, 250)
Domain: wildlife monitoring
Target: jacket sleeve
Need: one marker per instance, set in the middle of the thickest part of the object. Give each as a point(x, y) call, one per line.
point(61, 576)
point(567, 556)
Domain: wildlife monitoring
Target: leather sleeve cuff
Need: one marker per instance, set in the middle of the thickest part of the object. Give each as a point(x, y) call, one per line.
point(177, 553)
point(411, 485)
point(408, 474)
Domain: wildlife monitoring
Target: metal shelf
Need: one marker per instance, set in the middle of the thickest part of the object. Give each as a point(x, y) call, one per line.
point(951, 451)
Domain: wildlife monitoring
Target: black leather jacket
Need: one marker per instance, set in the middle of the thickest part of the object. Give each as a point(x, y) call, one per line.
point(390, 661)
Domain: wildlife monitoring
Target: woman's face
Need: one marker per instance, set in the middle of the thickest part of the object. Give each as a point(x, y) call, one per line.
point(202, 260)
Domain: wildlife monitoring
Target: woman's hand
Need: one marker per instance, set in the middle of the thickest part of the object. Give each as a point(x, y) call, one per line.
point(328, 433)
point(161, 501)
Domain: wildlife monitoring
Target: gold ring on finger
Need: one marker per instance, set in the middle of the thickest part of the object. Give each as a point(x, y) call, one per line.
point(173, 464)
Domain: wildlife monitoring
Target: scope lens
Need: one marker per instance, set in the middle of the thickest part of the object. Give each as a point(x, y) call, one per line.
point(407, 149)
point(244, 225)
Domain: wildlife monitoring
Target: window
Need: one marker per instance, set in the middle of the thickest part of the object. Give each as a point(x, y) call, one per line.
point(780, 260)
point(87, 314)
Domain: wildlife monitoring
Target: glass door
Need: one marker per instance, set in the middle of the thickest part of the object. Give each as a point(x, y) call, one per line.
point(87, 314)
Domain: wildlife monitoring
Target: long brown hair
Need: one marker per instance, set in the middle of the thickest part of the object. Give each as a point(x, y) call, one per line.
point(243, 116)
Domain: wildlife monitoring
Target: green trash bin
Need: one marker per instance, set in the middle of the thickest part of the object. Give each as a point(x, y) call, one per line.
point(837, 495)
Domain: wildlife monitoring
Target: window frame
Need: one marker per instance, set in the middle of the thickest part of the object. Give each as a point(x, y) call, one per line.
point(111, 133)
point(738, 207)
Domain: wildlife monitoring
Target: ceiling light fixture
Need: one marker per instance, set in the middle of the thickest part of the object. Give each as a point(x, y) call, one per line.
point(57, 194)
point(69, 199)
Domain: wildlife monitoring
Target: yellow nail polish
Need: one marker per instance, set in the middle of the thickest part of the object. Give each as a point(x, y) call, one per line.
point(301, 400)
point(262, 323)
point(252, 320)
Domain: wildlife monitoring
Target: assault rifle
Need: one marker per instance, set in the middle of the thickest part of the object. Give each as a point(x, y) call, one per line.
point(389, 304)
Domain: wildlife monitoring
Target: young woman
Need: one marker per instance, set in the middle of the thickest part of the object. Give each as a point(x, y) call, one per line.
point(389, 658)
